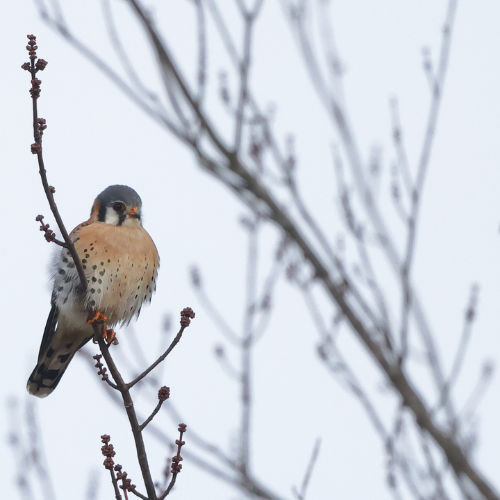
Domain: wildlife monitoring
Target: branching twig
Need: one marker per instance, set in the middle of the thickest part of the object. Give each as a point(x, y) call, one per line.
point(176, 465)
point(163, 395)
point(39, 125)
point(186, 315)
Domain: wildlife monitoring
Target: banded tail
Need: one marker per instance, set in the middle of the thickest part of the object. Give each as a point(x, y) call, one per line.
point(57, 349)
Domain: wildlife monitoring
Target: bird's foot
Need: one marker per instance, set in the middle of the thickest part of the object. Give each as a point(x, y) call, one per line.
point(109, 336)
point(97, 319)
point(97, 322)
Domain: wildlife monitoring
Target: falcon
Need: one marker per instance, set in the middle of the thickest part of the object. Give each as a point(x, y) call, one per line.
point(120, 262)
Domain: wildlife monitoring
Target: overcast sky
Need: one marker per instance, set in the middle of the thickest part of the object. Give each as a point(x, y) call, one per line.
point(96, 137)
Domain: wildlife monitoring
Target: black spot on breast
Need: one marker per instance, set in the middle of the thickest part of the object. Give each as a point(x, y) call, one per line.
point(64, 259)
point(49, 352)
point(61, 271)
point(136, 297)
point(92, 290)
point(87, 255)
point(94, 279)
point(92, 302)
point(71, 265)
point(102, 263)
point(63, 357)
point(84, 266)
point(83, 261)
point(99, 281)
point(60, 289)
point(94, 267)
point(102, 272)
point(85, 251)
point(109, 260)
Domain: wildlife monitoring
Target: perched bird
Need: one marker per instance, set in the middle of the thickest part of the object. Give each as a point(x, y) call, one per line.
point(120, 262)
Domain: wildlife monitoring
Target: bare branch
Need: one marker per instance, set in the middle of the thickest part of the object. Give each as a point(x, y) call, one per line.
point(301, 495)
point(163, 395)
point(186, 315)
point(39, 125)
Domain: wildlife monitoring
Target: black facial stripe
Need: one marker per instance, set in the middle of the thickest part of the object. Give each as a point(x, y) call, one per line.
point(102, 213)
point(121, 219)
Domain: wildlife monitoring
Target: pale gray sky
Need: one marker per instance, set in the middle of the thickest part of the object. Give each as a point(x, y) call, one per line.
point(96, 137)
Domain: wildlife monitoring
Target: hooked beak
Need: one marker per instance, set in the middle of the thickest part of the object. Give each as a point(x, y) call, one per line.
point(134, 212)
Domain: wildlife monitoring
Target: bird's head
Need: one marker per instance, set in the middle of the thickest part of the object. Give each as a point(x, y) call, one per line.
point(119, 206)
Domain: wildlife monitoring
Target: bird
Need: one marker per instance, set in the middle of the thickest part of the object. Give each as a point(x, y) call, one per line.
point(120, 262)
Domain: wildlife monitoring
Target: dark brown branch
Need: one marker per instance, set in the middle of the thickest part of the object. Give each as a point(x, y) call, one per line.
point(140, 495)
point(108, 451)
point(176, 465)
point(132, 416)
point(115, 484)
point(49, 235)
point(247, 183)
point(39, 126)
point(398, 378)
point(102, 371)
point(230, 476)
point(163, 395)
point(186, 315)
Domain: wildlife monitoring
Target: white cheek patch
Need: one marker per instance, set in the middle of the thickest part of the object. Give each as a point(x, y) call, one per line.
point(111, 216)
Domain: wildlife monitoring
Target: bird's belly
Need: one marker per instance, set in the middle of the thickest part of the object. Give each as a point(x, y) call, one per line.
point(118, 285)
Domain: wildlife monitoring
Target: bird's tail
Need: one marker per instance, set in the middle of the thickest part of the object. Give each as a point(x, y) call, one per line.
point(48, 372)
point(56, 351)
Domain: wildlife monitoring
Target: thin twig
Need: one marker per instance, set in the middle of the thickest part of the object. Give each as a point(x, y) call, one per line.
point(425, 153)
point(132, 416)
point(115, 484)
point(176, 465)
point(34, 66)
point(234, 174)
point(153, 413)
point(186, 314)
point(301, 495)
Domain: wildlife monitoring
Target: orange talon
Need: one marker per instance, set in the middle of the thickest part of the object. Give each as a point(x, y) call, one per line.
point(110, 336)
point(98, 318)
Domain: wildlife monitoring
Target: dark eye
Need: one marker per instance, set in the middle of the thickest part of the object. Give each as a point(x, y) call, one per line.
point(119, 206)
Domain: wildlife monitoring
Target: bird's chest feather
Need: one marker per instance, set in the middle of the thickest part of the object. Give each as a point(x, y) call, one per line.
point(120, 264)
